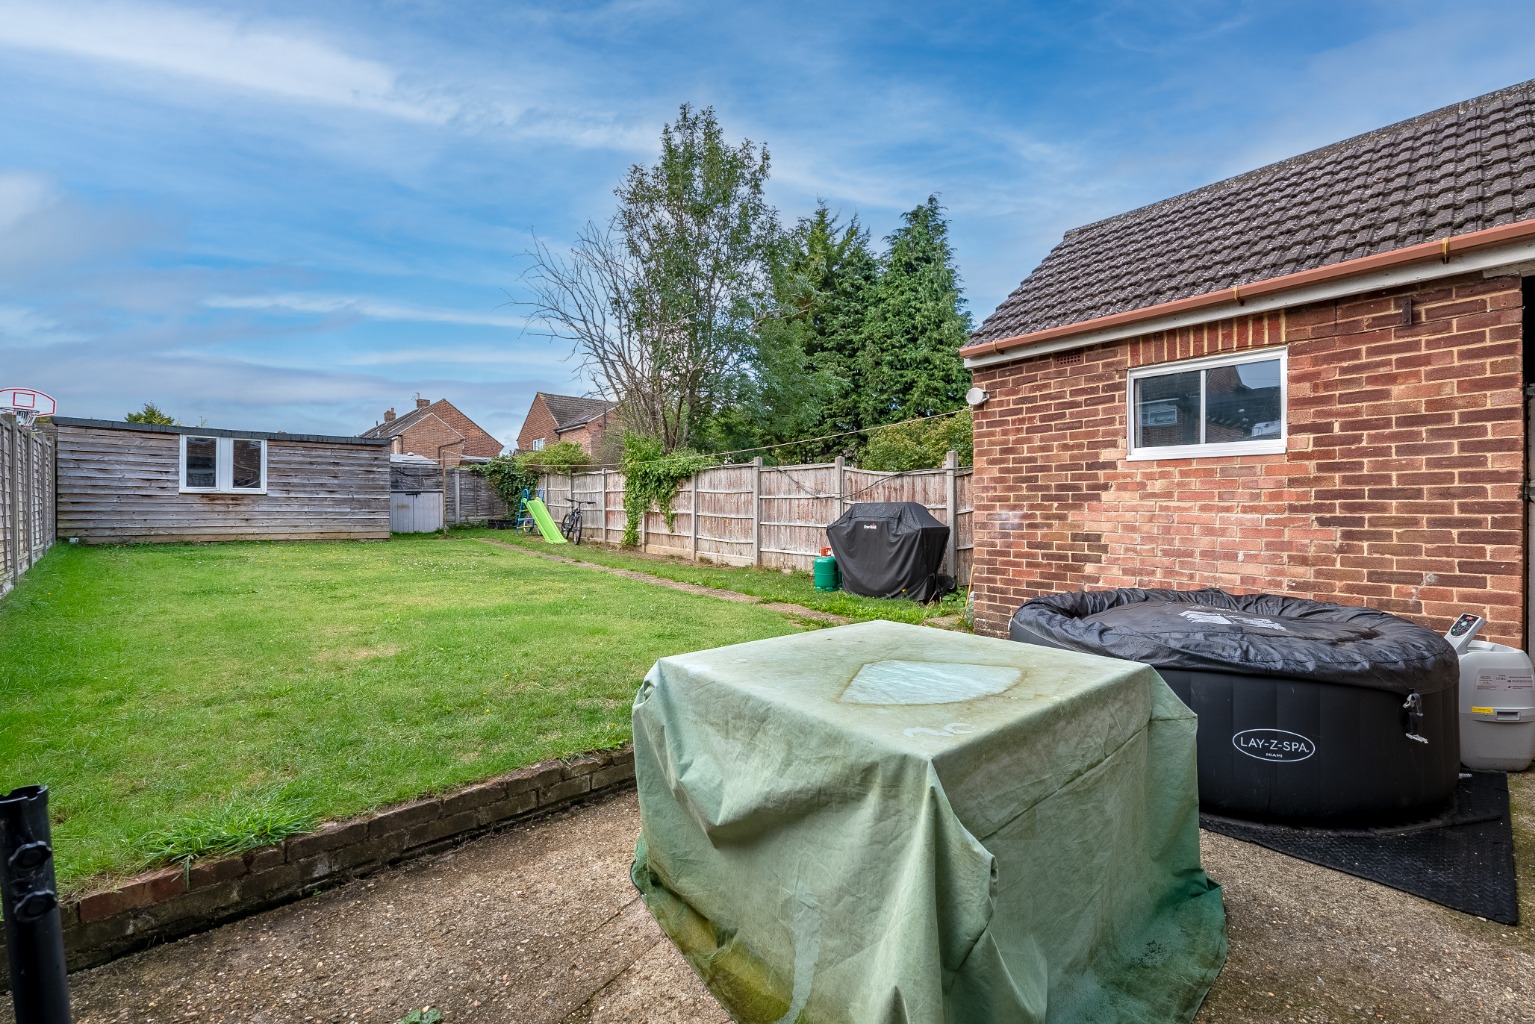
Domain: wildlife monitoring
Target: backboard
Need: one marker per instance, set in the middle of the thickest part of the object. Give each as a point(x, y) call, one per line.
point(26, 404)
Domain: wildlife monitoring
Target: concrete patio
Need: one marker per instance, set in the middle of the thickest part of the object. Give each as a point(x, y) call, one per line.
point(539, 925)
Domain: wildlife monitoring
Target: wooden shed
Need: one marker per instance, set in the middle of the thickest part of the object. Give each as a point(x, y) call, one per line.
point(137, 482)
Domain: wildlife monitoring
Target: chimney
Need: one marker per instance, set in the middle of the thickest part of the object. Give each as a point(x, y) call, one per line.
point(388, 415)
point(422, 403)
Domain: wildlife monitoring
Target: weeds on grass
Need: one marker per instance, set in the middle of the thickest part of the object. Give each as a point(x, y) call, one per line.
point(233, 828)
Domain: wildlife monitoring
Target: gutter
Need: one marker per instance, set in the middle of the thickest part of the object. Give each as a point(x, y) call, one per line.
point(1457, 254)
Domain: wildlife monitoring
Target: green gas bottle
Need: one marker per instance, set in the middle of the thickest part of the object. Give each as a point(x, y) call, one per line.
point(827, 576)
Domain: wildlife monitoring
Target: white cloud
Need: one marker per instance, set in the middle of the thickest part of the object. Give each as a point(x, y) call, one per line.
point(20, 325)
point(292, 62)
point(521, 358)
point(42, 229)
point(221, 50)
point(362, 306)
point(22, 195)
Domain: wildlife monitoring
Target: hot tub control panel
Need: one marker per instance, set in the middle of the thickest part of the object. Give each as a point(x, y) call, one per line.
point(1463, 631)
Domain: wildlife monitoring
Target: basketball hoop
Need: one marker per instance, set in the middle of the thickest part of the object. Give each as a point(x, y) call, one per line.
point(26, 405)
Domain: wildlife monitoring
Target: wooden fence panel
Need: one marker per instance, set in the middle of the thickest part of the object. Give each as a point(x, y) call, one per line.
point(468, 497)
point(797, 504)
point(27, 516)
point(767, 515)
point(726, 522)
point(964, 533)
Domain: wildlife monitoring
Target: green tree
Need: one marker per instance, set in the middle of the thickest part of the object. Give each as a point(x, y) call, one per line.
point(151, 413)
point(800, 382)
point(840, 273)
point(916, 325)
point(559, 457)
point(663, 305)
point(922, 444)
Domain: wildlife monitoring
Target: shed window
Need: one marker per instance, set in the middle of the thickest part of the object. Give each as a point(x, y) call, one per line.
point(1225, 405)
point(223, 465)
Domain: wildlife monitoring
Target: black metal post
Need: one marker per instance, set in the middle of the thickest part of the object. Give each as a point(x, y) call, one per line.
point(34, 935)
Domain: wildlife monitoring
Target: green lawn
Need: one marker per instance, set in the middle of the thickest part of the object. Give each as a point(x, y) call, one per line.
point(768, 584)
point(182, 688)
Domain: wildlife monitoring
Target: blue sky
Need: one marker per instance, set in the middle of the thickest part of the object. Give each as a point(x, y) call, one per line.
point(293, 216)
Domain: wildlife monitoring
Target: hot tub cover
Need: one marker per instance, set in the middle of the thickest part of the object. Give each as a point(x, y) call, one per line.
point(887, 823)
point(1256, 634)
point(891, 549)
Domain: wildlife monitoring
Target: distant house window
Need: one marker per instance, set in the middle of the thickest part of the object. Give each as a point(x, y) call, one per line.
point(538, 444)
point(1224, 405)
point(223, 465)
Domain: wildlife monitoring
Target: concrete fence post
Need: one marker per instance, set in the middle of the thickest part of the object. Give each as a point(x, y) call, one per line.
point(951, 502)
point(693, 519)
point(757, 510)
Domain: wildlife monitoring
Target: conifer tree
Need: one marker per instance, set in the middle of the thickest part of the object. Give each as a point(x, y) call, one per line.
point(916, 324)
point(840, 271)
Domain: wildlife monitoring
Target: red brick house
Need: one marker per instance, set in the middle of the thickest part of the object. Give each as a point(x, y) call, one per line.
point(554, 418)
point(438, 431)
point(1308, 379)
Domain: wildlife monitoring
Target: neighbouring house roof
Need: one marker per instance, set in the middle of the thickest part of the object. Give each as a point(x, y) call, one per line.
point(397, 426)
point(570, 412)
point(165, 428)
point(400, 424)
point(1463, 168)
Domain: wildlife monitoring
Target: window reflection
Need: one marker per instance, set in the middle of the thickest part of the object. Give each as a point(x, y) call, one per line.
point(247, 464)
point(202, 462)
point(1213, 405)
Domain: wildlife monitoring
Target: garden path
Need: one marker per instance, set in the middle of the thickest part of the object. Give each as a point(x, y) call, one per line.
point(798, 611)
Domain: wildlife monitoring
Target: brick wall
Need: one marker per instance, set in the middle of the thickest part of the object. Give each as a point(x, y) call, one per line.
point(539, 424)
point(1400, 486)
point(588, 436)
point(165, 904)
point(444, 429)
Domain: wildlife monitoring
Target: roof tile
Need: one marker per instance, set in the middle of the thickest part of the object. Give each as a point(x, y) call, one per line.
point(569, 411)
point(1462, 168)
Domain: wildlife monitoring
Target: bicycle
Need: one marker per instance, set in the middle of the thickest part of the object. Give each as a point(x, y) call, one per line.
point(571, 525)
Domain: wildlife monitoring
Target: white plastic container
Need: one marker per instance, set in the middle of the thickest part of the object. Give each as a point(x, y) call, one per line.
point(1497, 708)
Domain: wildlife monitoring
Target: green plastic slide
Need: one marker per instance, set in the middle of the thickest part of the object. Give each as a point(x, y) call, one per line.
point(545, 522)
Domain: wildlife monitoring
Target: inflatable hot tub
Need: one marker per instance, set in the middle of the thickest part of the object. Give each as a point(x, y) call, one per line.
point(1308, 712)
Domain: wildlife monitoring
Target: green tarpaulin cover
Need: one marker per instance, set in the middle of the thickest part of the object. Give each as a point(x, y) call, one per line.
point(882, 823)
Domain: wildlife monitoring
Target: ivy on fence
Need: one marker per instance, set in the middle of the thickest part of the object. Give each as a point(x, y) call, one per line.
point(651, 479)
point(510, 475)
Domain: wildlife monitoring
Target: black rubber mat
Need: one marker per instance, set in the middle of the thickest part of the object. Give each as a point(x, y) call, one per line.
point(1463, 859)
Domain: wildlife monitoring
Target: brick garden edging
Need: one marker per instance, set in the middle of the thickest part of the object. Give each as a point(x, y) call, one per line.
point(168, 903)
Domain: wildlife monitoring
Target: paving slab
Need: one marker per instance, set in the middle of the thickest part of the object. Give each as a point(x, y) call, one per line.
point(540, 924)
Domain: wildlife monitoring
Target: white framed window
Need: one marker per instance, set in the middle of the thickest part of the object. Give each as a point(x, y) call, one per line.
point(223, 465)
point(1222, 405)
point(538, 444)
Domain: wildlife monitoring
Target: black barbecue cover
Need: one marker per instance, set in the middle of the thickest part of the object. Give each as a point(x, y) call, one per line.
point(1256, 634)
point(891, 549)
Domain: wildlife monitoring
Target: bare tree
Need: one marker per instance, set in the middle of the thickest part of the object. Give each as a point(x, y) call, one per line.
point(590, 298)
